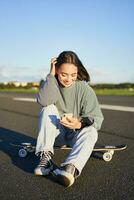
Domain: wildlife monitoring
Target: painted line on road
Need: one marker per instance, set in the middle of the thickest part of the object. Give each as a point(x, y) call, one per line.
point(103, 106)
point(24, 99)
point(118, 108)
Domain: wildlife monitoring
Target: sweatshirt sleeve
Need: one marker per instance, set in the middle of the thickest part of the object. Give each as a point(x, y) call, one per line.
point(49, 91)
point(91, 108)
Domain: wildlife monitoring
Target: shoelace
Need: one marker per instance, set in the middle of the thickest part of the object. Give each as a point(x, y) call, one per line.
point(45, 158)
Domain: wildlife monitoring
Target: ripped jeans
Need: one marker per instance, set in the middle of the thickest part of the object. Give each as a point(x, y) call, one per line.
point(51, 131)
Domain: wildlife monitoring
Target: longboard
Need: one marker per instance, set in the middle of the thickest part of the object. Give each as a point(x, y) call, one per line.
point(107, 150)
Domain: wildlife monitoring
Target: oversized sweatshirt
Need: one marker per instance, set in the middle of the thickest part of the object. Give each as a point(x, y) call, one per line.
point(78, 99)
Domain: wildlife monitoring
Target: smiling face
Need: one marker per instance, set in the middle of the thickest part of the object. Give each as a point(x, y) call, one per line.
point(67, 74)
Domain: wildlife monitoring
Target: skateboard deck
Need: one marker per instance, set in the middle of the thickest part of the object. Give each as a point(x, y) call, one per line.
point(107, 150)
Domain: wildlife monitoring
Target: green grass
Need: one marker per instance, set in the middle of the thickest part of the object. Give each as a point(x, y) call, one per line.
point(19, 90)
point(114, 92)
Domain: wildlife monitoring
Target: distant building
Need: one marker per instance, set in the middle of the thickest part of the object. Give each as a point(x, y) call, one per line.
point(5, 83)
point(35, 84)
point(18, 84)
point(15, 83)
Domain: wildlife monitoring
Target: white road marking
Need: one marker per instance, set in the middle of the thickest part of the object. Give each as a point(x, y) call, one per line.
point(103, 106)
point(119, 108)
point(24, 99)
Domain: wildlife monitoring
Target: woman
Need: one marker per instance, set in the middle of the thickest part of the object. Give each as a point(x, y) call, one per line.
point(70, 114)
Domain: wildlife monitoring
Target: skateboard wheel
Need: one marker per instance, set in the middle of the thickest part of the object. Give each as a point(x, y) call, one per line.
point(107, 156)
point(22, 153)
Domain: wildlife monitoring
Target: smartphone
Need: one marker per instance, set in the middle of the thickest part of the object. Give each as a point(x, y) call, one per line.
point(69, 115)
point(66, 115)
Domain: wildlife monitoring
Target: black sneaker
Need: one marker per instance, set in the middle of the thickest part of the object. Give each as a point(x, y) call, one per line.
point(66, 175)
point(45, 165)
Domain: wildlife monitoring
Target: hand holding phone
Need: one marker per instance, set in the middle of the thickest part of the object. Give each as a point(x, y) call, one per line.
point(70, 122)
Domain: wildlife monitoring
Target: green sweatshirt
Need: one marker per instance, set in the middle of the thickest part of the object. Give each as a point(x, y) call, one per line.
point(78, 99)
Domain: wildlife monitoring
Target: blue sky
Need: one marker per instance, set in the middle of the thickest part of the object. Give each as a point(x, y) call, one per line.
point(101, 32)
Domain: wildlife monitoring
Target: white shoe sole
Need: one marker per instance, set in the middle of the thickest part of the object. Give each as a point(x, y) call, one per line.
point(42, 172)
point(64, 177)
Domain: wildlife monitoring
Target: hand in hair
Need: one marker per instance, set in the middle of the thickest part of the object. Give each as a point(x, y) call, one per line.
point(53, 62)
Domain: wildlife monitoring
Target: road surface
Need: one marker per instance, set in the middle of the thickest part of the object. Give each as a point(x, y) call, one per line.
point(99, 180)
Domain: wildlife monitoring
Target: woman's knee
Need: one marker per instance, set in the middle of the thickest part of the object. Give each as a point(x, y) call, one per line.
point(49, 110)
point(91, 133)
point(94, 133)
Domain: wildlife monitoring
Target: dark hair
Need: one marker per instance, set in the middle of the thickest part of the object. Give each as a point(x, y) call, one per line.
point(71, 57)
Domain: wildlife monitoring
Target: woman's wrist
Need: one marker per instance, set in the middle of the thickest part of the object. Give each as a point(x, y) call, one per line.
point(79, 125)
point(86, 121)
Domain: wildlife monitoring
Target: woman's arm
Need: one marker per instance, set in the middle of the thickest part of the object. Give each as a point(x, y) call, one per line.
point(49, 91)
point(91, 108)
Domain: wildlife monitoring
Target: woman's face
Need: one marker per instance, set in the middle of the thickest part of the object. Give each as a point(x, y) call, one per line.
point(67, 74)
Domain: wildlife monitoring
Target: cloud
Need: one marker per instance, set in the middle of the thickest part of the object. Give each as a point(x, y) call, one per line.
point(30, 74)
point(97, 72)
point(12, 73)
point(132, 77)
point(110, 75)
point(97, 75)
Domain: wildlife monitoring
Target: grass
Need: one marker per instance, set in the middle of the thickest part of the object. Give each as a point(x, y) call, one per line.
point(113, 92)
point(20, 90)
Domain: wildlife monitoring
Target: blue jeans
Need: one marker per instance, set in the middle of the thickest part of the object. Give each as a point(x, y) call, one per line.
point(51, 132)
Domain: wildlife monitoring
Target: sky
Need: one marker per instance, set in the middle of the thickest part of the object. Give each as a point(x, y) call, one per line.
point(100, 32)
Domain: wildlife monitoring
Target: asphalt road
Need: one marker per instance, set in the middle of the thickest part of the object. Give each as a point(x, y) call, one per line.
point(99, 180)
